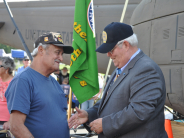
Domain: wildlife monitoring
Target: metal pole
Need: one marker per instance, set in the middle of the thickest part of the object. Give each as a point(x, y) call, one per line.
point(19, 33)
point(110, 60)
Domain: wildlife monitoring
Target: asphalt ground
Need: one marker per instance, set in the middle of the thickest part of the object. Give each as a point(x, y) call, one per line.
point(82, 132)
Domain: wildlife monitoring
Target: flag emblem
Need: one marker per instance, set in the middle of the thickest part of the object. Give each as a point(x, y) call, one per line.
point(90, 17)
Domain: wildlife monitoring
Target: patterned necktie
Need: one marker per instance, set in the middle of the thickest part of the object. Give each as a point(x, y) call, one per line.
point(118, 72)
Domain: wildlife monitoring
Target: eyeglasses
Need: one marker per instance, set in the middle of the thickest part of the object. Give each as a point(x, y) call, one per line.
point(1, 66)
point(118, 44)
point(111, 52)
point(26, 59)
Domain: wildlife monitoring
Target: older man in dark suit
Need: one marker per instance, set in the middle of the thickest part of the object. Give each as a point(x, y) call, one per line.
point(133, 102)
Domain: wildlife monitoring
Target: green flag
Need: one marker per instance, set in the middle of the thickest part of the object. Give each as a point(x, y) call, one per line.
point(83, 64)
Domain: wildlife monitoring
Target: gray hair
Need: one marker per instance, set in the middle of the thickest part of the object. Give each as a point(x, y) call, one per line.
point(132, 40)
point(7, 62)
point(35, 51)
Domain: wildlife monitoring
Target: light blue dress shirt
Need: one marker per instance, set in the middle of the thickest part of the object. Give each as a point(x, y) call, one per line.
point(135, 54)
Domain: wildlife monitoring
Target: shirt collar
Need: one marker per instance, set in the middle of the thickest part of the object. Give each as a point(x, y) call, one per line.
point(135, 54)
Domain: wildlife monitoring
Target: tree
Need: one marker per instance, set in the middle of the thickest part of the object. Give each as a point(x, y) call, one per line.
point(6, 48)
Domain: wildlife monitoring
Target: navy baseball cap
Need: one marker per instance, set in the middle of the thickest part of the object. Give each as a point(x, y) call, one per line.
point(112, 34)
point(55, 39)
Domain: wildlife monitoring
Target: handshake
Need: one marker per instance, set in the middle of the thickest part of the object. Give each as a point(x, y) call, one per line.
point(81, 117)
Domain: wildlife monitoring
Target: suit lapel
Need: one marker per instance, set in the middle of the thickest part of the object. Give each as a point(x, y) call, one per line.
point(118, 81)
point(114, 85)
point(107, 88)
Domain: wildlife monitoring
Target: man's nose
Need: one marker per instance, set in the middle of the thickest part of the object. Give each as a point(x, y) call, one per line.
point(61, 57)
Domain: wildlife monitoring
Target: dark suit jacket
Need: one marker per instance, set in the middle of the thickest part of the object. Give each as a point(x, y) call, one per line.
point(134, 105)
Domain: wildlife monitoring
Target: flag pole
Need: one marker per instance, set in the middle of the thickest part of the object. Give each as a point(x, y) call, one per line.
point(124, 10)
point(70, 104)
point(110, 60)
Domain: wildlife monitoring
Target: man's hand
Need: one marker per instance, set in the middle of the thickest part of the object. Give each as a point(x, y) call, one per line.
point(77, 119)
point(6, 126)
point(96, 126)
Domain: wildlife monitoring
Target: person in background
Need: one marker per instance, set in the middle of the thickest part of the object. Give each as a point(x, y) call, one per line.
point(15, 72)
point(65, 87)
point(36, 101)
point(26, 63)
point(59, 76)
point(64, 73)
point(75, 103)
point(6, 68)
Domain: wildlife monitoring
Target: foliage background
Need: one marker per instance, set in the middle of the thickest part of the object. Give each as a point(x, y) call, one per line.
point(6, 48)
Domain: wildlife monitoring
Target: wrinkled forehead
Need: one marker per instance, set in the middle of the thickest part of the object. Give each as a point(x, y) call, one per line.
point(53, 47)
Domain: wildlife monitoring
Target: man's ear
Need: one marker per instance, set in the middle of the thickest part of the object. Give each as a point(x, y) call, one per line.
point(40, 50)
point(126, 45)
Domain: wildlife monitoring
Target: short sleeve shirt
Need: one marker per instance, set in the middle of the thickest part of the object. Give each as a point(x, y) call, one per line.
point(42, 100)
point(20, 69)
point(4, 114)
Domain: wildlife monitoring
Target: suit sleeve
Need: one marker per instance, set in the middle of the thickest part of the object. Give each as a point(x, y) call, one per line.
point(146, 89)
point(92, 112)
